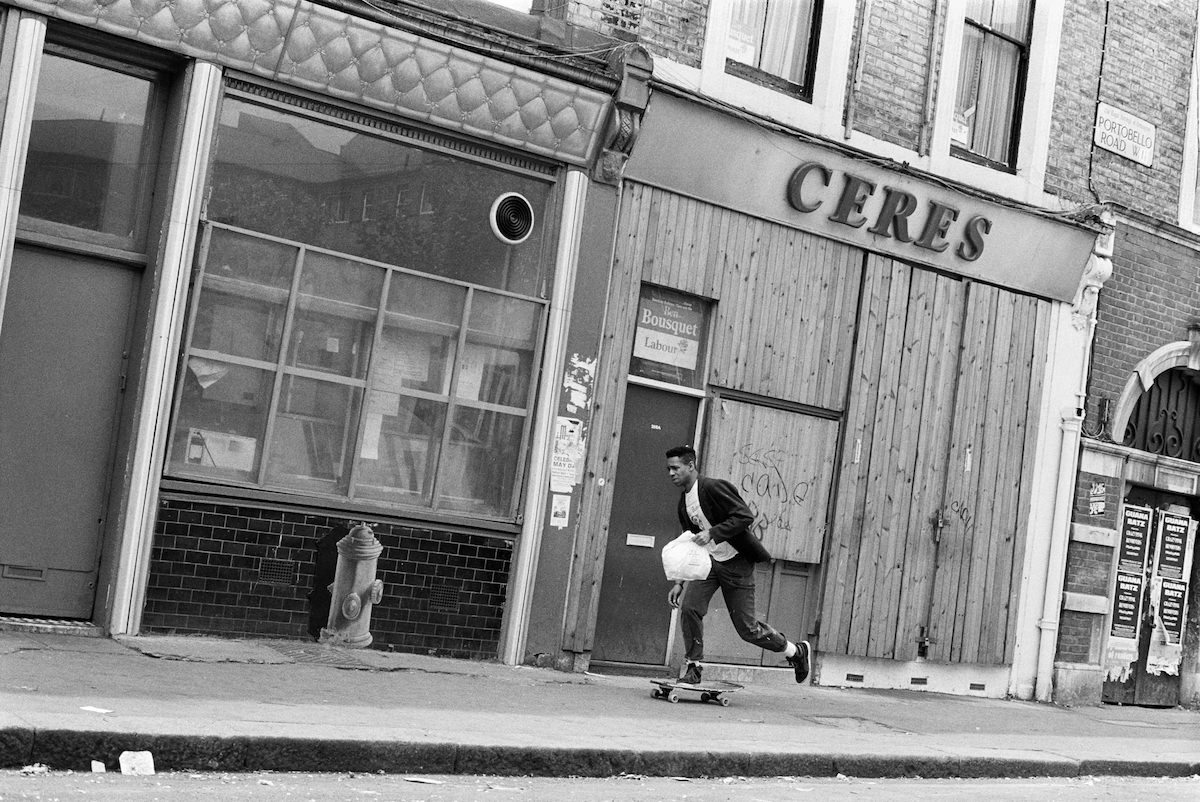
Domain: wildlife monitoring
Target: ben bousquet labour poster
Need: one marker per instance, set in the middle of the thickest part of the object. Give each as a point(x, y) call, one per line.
point(669, 334)
point(1169, 591)
point(1121, 650)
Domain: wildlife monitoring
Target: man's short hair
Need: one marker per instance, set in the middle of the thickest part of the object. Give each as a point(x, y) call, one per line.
point(685, 453)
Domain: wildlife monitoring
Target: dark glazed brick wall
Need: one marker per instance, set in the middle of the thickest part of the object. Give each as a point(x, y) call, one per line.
point(444, 592)
point(1074, 637)
point(1088, 568)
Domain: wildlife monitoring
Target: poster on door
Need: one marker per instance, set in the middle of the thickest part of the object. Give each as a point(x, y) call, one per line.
point(1121, 648)
point(669, 337)
point(1169, 591)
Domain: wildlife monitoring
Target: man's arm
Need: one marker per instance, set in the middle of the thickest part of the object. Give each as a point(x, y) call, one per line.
point(737, 517)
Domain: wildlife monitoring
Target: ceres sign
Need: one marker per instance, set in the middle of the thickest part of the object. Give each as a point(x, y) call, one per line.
point(846, 199)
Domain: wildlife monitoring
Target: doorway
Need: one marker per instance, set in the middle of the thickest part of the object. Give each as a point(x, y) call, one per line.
point(62, 355)
point(633, 620)
point(1142, 687)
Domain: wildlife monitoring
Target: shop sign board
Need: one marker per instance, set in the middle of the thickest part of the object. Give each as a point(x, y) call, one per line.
point(1122, 133)
point(886, 208)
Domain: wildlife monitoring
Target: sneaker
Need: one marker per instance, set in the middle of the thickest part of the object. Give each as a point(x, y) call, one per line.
point(800, 660)
point(692, 675)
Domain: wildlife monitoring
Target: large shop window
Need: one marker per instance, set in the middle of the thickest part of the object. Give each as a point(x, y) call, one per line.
point(357, 330)
point(991, 80)
point(774, 43)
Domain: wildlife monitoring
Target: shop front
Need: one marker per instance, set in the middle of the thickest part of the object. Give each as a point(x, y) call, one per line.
point(890, 371)
point(274, 270)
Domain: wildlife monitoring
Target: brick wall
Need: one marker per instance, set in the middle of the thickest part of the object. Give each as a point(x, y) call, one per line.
point(1153, 294)
point(890, 101)
point(227, 569)
point(1084, 482)
point(1147, 64)
point(1088, 568)
point(672, 29)
point(1074, 637)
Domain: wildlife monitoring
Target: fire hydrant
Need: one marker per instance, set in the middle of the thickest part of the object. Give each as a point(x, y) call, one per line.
point(354, 590)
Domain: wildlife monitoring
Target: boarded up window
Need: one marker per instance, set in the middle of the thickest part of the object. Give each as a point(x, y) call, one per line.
point(781, 461)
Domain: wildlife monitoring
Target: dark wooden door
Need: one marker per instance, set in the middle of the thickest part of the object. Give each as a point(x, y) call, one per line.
point(62, 348)
point(633, 619)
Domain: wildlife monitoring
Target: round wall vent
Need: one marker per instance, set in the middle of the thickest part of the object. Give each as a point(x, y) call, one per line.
point(511, 218)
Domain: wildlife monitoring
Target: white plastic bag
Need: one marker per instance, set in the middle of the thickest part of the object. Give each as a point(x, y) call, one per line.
point(685, 559)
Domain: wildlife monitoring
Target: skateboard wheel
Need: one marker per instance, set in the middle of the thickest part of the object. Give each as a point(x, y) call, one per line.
point(704, 697)
point(724, 702)
point(673, 697)
point(655, 693)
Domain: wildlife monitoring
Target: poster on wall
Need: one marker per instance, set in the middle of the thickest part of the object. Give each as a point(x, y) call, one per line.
point(1169, 591)
point(669, 338)
point(1121, 648)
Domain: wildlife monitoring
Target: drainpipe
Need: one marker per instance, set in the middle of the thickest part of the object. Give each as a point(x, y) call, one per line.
point(1083, 320)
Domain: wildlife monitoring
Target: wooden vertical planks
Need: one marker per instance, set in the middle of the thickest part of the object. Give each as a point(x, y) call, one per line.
point(961, 477)
point(1010, 447)
point(1037, 374)
point(937, 413)
point(987, 503)
point(878, 505)
point(845, 540)
point(903, 443)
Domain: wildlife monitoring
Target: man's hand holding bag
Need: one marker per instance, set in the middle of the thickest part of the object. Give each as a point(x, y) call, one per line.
point(684, 559)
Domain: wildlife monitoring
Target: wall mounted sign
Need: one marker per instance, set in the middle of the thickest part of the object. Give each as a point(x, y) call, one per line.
point(669, 339)
point(1135, 530)
point(835, 193)
point(1122, 133)
point(1169, 591)
point(1121, 647)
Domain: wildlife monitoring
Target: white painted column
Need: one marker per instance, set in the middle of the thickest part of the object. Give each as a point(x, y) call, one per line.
point(14, 135)
point(166, 322)
point(541, 448)
point(1056, 469)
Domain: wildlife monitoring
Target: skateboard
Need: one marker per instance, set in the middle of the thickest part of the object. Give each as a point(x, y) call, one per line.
point(712, 691)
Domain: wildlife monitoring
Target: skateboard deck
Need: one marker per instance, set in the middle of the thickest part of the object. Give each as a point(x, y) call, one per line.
point(712, 691)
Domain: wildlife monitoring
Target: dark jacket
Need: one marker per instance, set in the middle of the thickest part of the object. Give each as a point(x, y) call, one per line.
point(729, 516)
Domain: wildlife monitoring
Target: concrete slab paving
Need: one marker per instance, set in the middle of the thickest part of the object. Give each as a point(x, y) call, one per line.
point(210, 703)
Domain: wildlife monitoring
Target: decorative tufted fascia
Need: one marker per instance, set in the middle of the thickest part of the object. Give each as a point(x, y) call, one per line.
point(337, 54)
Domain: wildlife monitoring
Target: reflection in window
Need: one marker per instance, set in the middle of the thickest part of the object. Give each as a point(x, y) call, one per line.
point(991, 78)
point(88, 165)
point(315, 372)
point(774, 42)
point(364, 195)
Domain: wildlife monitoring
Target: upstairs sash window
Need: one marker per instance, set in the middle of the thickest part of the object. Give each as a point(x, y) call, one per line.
point(774, 42)
point(991, 80)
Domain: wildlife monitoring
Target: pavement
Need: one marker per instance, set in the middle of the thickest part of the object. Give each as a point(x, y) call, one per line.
point(214, 704)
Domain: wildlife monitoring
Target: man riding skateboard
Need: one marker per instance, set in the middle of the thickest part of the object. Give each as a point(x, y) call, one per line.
point(720, 519)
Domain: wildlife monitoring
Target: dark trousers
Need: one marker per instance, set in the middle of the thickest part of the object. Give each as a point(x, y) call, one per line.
point(735, 578)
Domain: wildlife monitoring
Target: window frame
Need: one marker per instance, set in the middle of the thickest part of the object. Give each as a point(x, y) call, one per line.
point(311, 106)
point(1018, 105)
point(770, 80)
point(280, 370)
point(1189, 184)
point(159, 70)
